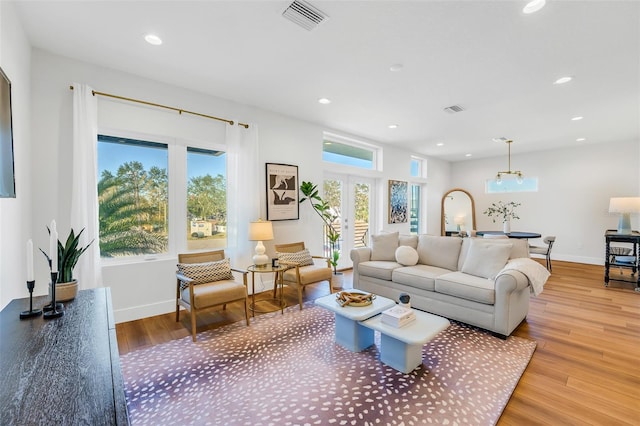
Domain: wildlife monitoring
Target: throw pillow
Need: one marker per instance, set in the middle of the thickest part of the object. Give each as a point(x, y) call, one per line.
point(406, 256)
point(485, 259)
point(439, 251)
point(206, 272)
point(383, 246)
point(302, 257)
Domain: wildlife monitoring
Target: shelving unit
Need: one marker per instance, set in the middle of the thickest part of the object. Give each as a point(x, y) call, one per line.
point(631, 262)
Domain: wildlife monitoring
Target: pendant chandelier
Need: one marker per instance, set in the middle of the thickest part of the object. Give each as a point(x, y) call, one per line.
point(518, 173)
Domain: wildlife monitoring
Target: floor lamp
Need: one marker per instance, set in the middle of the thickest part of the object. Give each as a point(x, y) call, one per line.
point(260, 231)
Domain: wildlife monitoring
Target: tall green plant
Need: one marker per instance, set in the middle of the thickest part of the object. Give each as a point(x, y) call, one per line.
point(324, 210)
point(68, 255)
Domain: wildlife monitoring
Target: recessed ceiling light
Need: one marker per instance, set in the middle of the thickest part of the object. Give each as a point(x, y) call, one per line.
point(533, 6)
point(392, 126)
point(468, 155)
point(396, 67)
point(577, 118)
point(324, 101)
point(153, 39)
point(440, 144)
point(563, 80)
point(581, 139)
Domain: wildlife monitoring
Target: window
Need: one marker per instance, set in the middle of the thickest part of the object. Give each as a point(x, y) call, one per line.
point(339, 150)
point(206, 199)
point(511, 185)
point(418, 167)
point(414, 212)
point(134, 194)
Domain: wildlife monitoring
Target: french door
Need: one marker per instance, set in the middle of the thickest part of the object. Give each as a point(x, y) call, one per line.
point(351, 200)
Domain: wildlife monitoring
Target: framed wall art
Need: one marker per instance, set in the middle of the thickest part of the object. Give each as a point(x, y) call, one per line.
point(7, 172)
point(398, 206)
point(282, 192)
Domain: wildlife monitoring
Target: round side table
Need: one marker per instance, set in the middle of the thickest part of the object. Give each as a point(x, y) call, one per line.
point(278, 275)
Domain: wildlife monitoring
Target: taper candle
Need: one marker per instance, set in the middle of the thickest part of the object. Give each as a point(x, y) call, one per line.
point(29, 260)
point(53, 247)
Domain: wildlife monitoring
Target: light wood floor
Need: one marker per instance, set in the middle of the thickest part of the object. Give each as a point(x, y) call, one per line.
point(586, 368)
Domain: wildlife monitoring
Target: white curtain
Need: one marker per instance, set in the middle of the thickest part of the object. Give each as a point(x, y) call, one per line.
point(84, 190)
point(243, 191)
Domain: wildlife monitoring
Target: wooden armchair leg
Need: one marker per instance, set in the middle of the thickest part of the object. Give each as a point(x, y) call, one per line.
point(331, 284)
point(224, 307)
point(193, 325)
point(300, 290)
point(177, 313)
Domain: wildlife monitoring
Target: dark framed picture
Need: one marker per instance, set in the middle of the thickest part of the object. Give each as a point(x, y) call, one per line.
point(7, 173)
point(282, 192)
point(398, 205)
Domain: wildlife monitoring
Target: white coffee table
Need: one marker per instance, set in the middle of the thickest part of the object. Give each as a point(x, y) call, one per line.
point(401, 348)
point(349, 332)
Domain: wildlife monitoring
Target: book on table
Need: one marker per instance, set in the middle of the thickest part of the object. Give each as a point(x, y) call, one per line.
point(398, 316)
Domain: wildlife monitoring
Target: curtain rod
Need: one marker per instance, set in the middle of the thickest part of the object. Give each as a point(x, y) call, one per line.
point(179, 110)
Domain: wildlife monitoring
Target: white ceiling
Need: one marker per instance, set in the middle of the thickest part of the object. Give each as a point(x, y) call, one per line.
point(486, 56)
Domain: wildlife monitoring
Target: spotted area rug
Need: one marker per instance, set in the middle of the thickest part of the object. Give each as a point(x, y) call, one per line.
point(288, 370)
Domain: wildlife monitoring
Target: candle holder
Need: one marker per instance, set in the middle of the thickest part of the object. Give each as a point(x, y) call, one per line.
point(31, 312)
point(56, 309)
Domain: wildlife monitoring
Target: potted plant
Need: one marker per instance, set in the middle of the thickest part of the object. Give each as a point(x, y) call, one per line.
point(68, 255)
point(328, 216)
point(503, 211)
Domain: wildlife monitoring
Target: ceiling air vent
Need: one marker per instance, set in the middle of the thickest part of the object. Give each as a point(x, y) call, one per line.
point(453, 109)
point(303, 14)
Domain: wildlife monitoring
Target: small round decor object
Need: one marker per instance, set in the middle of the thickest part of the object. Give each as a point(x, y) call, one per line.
point(346, 298)
point(406, 256)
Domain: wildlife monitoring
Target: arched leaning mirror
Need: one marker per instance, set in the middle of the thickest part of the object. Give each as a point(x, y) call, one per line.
point(458, 212)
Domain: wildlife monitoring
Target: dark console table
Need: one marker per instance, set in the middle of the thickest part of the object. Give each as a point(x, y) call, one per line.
point(63, 371)
point(634, 238)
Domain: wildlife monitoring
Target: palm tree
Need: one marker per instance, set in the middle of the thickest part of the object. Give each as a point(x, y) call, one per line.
point(120, 217)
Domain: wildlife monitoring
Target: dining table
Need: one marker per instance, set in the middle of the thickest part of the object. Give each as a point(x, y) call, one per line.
point(514, 234)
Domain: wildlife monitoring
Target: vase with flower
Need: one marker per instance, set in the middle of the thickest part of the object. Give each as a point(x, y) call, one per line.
point(503, 211)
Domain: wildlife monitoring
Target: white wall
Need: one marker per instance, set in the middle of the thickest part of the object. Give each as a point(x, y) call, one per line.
point(572, 203)
point(148, 288)
point(15, 213)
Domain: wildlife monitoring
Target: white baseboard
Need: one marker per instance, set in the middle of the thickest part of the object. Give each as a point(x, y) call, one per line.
point(143, 311)
point(160, 308)
point(575, 259)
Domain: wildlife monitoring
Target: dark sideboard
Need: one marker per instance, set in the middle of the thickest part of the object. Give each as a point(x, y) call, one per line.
point(63, 371)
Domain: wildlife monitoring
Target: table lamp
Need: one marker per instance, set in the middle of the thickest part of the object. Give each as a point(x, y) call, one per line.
point(260, 231)
point(625, 206)
point(459, 221)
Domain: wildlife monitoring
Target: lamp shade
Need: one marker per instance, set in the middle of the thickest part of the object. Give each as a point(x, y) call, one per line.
point(624, 205)
point(260, 231)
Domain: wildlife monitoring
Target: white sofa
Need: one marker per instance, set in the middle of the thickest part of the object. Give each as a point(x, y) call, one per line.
point(463, 279)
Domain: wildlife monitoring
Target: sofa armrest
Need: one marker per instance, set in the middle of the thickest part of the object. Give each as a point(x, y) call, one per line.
point(511, 281)
point(361, 254)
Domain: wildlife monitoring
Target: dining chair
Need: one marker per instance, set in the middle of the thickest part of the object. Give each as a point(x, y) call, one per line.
point(544, 250)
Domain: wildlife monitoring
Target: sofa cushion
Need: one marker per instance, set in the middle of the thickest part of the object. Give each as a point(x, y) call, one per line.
point(467, 286)
point(383, 246)
point(485, 259)
point(406, 255)
point(418, 276)
point(519, 248)
point(408, 240)
point(378, 269)
point(439, 251)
